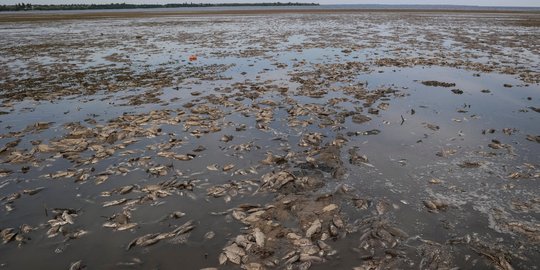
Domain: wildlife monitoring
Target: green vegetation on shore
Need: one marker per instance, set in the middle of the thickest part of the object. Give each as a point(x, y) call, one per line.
point(26, 7)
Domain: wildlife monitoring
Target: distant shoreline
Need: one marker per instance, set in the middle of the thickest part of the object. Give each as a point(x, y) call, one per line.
point(269, 5)
point(30, 16)
point(121, 6)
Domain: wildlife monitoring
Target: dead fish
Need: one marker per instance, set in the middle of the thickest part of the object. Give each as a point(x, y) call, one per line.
point(212, 167)
point(133, 262)
point(10, 145)
point(310, 258)
point(357, 159)
point(435, 181)
point(333, 230)
point(383, 106)
point(226, 138)
point(158, 170)
point(277, 180)
point(76, 234)
point(360, 119)
point(228, 167)
point(78, 265)
point(259, 237)
point(33, 191)
point(438, 84)
point(25, 228)
point(533, 138)
point(430, 205)
point(12, 197)
point(42, 125)
point(102, 178)
point(177, 214)
point(234, 253)
point(362, 203)
point(115, 202)
point(338, 222)
point(67, 217)
point(330, 207)
point(396, 232)
point(45, 148)
point(253, 266)
point(382, 207)
point(469, 164)
point(431, 126)
point(314, 228)
point(222, 258)
point(209, 235)
point(292, 259)
point(143, 241)
point(8, 235)
point(173, 155)
point(199, 148)
point(434, 205)
point(184, 228)
point(125, 189)
point(128, 226)
point(272, 159)
point(446, 152)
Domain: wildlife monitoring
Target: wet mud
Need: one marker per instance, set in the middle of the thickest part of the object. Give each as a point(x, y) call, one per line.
point(388, 140)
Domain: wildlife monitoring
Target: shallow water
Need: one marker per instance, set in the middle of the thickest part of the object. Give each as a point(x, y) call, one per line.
point(130, 79)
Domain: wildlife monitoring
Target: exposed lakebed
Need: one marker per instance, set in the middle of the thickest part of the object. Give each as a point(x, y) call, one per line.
point(370, 140)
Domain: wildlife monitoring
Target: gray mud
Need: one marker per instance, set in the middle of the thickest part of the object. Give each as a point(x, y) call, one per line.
point(350, 141)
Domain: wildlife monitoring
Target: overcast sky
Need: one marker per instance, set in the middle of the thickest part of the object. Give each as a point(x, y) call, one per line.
point(531, 3)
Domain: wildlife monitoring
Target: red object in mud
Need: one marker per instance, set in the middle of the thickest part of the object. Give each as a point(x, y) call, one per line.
point(192, 58)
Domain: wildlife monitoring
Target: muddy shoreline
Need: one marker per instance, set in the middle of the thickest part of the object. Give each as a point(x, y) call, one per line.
point(131, 14)
point(359, 140)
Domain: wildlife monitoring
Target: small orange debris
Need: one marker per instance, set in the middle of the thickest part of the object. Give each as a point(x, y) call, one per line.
point(192, 58)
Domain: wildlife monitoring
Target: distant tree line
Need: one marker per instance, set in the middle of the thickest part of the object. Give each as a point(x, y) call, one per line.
point(23, 6)
point(16, 7)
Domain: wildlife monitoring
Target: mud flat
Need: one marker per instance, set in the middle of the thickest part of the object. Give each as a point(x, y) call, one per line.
point(296, 140)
